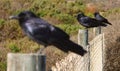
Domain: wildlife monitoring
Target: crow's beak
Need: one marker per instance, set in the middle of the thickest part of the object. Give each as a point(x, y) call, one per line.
point(13, 17)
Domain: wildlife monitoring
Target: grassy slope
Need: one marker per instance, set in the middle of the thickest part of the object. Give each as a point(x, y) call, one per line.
point(59, 13)
point(12, 39)
point(112, 34)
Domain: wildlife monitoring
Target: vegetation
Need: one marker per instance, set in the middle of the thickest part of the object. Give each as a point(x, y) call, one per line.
point(58, 12)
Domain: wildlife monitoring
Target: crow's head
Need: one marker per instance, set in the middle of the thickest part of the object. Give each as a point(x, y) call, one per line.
point(23, 16)
point(80, 15)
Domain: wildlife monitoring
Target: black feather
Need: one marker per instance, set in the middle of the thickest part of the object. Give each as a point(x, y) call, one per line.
point(101, 18)
point(89, 22)
point(46, 34)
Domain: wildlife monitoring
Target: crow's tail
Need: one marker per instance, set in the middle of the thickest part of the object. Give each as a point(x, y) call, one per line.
point(109, 23)
point(68, 45)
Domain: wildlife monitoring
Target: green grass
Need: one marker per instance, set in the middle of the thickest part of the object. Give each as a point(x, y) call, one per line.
point(14, 48)
point(22, 45)
point(3, 66)
point(11, 34)
point(70, 28)
point(58, 10)
point(2, 21)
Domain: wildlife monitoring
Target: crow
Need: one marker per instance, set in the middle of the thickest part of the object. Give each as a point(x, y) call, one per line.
point(101, 18)
point(40, 31)
point(89, 22)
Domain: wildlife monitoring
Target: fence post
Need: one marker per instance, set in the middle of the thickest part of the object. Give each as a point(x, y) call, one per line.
point(83, 37)
point(83, 40)
point(97, 31)
point(97, 53)
point(26, 62)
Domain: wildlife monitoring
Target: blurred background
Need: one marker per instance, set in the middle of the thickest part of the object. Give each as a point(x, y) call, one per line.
point(61, 14)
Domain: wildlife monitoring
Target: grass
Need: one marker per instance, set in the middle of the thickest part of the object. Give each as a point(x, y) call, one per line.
point(2, 21)
point(59, 13)
point(112, 11)
point(69, 28)
point(3, 66)
point(13, 48)
point(112, 45)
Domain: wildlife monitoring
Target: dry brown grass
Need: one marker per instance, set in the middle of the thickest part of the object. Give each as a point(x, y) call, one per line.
point(90, 7)
point(112, 34)
point(12, 32)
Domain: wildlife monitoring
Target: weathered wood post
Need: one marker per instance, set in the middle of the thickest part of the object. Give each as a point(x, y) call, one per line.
point(83, 37)
point(26, 62)
point(83, 40)
point(97, 53)
point(97, 31)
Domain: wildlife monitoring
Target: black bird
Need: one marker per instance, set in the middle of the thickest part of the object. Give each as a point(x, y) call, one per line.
point(46, 34)
point(101, 18)
point(88, 22)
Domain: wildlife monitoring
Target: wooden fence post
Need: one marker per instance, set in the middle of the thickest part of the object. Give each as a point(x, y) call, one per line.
point(97, 31)
point(26, 62)
point(83, 37)
point(83, 40)
point(97, 53)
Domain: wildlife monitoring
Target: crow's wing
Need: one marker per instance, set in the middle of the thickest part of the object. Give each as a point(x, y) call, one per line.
point(96, 23)
point(101, 18)
point(45, 31)
point(57, 32)
point(84, 21)
point(91, 22)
